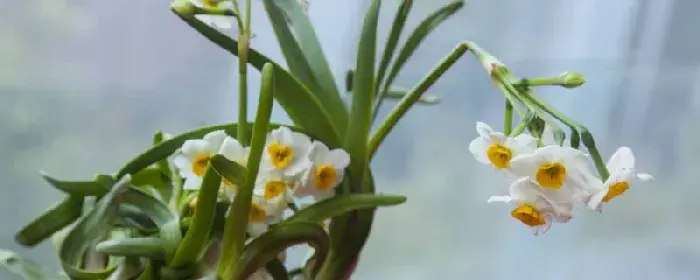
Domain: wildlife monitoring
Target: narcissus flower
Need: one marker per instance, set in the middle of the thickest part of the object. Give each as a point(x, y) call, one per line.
point(263, 212)
point(216, 21)
point(533, 207)
point(276, 192)
point(556, 168)
point(621, 166)
point(286, 152)
point(496, 149)
point(325, 172)
point(194, 157)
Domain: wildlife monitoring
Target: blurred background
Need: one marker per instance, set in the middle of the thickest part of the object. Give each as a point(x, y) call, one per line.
point(84, 84)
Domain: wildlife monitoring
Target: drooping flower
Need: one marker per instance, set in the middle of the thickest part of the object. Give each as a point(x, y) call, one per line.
point(216, 21)
point(621, 166)
point(533, 207)
point(496, 149)
point(560, 170)
point(325, 172)
point(232, 150)
point(286, 152)
point(194, 157)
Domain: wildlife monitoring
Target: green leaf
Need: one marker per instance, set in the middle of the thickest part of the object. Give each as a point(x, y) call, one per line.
point(268, 245)
point(230, 170)
point(53, 220)
point(89, 229)
point(168, 223)
point(29, 270)
point(198, 233)
point(147, 247)
point(82, 188)
point(393, 40)
point(237, 220)
point(350, 231)
point(431, 22)
point(302, 106)
point(308, 48)
point(338, 205)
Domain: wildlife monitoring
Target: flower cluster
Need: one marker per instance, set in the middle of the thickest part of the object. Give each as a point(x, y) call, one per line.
point(292, 166)
point(550, 179)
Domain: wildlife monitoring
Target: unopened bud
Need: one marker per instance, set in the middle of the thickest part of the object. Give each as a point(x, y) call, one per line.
point(536, 127)
point(183, 8)
point(571, 79)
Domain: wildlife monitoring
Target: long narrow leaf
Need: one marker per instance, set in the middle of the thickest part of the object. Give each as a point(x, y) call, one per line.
point(268, 245)
point(82, 188)
point(310, 47)
point(413, 42)
point(27, 269)
point(146, 247)
point(53, 220)
point(342, 204)
point(393, 40)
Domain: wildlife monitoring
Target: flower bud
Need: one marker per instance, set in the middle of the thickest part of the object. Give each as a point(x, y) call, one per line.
point(571, 79)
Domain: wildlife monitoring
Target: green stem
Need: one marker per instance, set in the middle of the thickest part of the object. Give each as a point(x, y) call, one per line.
point(412, 97)
point(522, 125)
point(243, 48)
point(508, 120)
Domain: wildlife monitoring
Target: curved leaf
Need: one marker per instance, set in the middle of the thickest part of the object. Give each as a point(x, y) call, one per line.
point(338, 205)
point(89, 229)
point(29, 270)
point(423, 99)
point(305, 56)
point(53, 220)
point(152, 176)
point(82, 188)
point(302, 106)
point(268, 245)
point(147, 247)
point(431, 22)
point(230, 170)
point(197, 235)
point(168, 223)
point(277, 269)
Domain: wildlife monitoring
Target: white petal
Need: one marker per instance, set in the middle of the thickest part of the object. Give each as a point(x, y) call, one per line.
point(524, 190)
point(232, 150)
point(192, 183)
point(526, 165)
point(301, 140)
point(318, 152)
point(500, 198)
point(523, 144)
point(183, 165)
point(483, 129)
point(596, 201)
point(338, 158)
point(478, 148)
point(622, 158)
point(284, 135)
point(256, 229)
point(215, 138)
point(197, 3)
point(644, 177)
point(192, 148)
point(222, 22)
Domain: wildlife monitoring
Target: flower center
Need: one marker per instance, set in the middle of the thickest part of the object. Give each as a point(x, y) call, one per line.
point(615, 190)
point(551, 175)
point(325, 177)
point(499, 155)
point(281, 155)
point(199, 164)
point(527, 214)
point(257, 214)
point(273, 188)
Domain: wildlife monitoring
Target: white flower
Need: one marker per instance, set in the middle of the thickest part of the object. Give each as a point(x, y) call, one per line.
point(533, 206)
point(232, 150)
point(497, 149)
point(325, 172)
point(276, 192)
point(264, 212)
point(547, 137)
point(194, 158)
point(562, 172)
point(621, 166)
point(286, 152)
point(216, 21)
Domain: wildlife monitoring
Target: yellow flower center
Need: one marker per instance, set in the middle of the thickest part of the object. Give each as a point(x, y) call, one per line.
point(551, 175)
point(615, 190)
point(273, 188)
point(209, 3)
point(325, 177)
point(527, 214)
point(257, 214)
point(281, 155)
point(199, 164)
point(499, 155)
